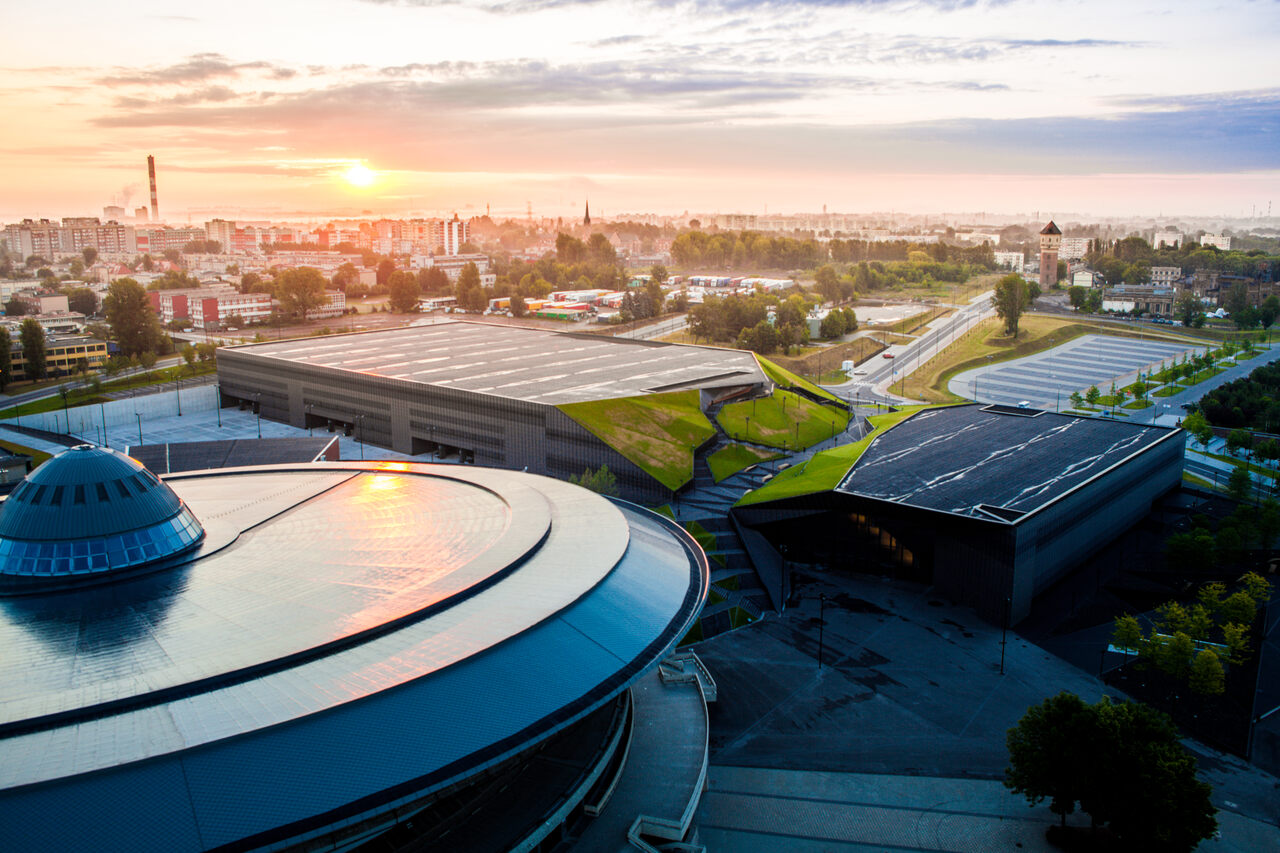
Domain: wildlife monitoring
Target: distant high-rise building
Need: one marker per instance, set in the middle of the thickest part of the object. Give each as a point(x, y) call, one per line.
point(1050, 242)
point(456, 232)
point(140, 215)
point(151, 175)
point(113, 213)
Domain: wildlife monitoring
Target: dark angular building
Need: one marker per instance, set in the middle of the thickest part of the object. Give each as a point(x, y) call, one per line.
point(490, 394)
point(335, 656)
point(990, 504)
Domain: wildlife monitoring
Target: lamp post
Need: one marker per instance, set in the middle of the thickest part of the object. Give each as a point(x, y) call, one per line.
point(102, 409)
point(822, 621)
point(217, 390)
point(749, 427)
point(139, 417)
point(66, 412)
point(177, 394)
point(257, 407)
point(360, 433)
point(308, 409)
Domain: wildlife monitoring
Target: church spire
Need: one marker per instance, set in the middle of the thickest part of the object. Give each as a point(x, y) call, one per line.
point(586, 218)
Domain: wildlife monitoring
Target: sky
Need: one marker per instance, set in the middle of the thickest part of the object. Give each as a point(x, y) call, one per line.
point(262, 109)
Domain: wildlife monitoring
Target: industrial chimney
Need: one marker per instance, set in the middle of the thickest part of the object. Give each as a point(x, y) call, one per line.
point(151, 173)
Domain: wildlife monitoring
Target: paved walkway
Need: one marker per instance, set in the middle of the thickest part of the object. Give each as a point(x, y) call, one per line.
point(911, 687)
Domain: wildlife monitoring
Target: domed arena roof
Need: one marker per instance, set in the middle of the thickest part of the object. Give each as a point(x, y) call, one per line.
point(91, 510)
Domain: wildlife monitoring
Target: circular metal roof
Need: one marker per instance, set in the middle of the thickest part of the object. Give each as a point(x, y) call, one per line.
point(91, 510)
point(369, 633)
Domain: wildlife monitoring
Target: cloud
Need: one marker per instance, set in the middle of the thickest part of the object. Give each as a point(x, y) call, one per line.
point(195, 69)
point(517, 7)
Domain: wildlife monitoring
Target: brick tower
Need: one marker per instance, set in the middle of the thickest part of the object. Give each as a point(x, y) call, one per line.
point(1050, 241)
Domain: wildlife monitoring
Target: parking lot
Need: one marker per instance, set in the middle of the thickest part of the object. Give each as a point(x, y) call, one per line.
point(1047, 379)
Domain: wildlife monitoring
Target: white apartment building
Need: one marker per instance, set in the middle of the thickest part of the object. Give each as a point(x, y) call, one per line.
point(1073, 248)
point(1221, 241)
point(1166, 239)
point(1013, 261)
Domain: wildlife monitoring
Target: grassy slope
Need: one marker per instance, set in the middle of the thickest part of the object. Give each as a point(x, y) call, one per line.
point(86, 396)
point(786, 378)
point(658, 432)
point(733, 458)
point(774, 420)
point(37, 456)
point(825, 470)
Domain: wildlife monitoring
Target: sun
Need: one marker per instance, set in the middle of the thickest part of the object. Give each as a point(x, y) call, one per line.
point(360, 175)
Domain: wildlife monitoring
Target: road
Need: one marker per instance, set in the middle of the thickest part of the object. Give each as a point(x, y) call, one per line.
point(901, 360)
point(657, 330)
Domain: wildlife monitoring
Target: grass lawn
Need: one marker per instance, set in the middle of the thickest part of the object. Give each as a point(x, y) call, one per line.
point(1106, 401)
point(784, 420)
point(822, 363)
point(1168, 391)
point(911, 325)
point(739, 617)
point(658, 432)
point(729, 460)
point(1138, 404)
point(823, 471)
point(1207, 373)
point(1240, 463)
point(1198, 481)
point(1245, 356)
point(37, 456)
point(1036, 333)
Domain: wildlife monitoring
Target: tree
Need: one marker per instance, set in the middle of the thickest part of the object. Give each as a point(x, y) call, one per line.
point(1127, 633)
point(1237, 299)
point(345, 276)
point(828, 284)
point(1239, 439)
point(1144, 782)
point(1239, 484)
point(385, 268)
point(82, 300)
point(1269, 311)
point(601, 481)
point(1207, 677)
point(1199, 428)
point(189, 355)
point(33, 348)
point(833, 325)
point(1093, 395)
point(90, 254)
point(404, 292)
point(1049, 754)
point(601, 250)
point(300, 290)
point(658, 273)
point(1076, 400)
point(433, 281)
point(6, 359)
point(1077, 295)
point(133, 321)
point(1236, 638)
point(1010, 299)
point(518, 306)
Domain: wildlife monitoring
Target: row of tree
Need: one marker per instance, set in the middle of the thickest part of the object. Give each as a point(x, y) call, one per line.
point(1219, 624)
point(1251, 402)
point(1131, 259)
point(744, 320)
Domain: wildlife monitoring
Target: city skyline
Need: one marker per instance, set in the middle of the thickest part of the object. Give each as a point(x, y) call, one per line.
point(431, 105)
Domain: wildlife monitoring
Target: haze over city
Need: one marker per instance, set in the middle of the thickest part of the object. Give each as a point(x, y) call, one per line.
point(340, 107)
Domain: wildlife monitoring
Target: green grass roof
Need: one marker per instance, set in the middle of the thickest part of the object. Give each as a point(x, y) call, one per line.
point(786, 378)
point(824, 470)
point(658, 432)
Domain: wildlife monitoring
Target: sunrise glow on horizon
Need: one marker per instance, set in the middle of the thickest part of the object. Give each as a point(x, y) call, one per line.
point(644, 105)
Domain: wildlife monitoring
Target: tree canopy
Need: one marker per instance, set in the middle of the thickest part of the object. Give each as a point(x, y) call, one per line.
point(1122, 762)
point(404, 292)
point(300, 290)
point(33, 348)
point(133, 321)
point(1012, 296)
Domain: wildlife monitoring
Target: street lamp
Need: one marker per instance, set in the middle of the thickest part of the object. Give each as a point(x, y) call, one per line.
point(360, 433)
point(66, 412)
point(177, 394)
point(309, 407)
point(257, 405)
point(139, 417)
point(822, 621)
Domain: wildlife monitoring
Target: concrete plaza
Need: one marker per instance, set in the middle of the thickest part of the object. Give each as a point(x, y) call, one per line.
point(898, 740)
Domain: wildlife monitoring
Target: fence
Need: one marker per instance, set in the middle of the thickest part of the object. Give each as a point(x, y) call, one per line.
point(83, 420)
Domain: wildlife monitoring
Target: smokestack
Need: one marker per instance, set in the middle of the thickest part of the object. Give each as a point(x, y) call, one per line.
point(151, 173)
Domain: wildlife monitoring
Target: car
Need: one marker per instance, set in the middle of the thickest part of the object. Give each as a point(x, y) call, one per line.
point(888, 355)
point(860, 373)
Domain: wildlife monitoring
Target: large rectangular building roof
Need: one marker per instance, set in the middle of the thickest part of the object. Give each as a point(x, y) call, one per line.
point(519, 363)
point(993, 461)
